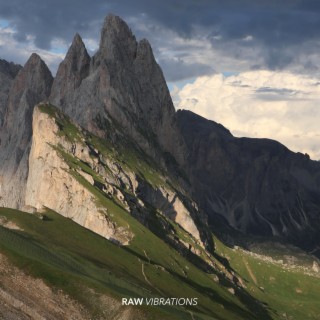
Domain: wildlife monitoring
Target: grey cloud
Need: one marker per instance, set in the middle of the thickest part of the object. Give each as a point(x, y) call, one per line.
point(177, 69)
point(239, 83)
point(279, 94)
point(279, 91)
point(281, 31)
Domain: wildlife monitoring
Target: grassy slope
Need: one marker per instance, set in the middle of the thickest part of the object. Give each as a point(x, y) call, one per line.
point(63, 253)
point(290, 294)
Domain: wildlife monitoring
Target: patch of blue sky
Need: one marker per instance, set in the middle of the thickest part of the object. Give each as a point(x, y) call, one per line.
point(4, 23)
point(58, 50)
point(230, 73)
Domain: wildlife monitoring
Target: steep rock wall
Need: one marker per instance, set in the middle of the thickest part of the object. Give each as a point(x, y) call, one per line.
point(50, 184)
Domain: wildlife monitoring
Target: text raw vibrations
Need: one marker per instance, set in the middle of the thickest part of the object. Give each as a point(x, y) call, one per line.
point(160, 301)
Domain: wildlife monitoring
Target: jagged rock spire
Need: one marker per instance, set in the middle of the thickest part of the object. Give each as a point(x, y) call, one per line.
point(117, 41)
point(78, 58)
point(34, 76)
point(124, 83)
point(72, 70)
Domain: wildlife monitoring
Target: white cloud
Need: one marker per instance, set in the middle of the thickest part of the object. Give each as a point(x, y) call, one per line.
point(277, 105)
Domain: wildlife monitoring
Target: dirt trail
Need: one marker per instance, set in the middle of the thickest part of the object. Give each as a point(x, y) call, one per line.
point(146, 256)
point(147, 280)
point(253, 277)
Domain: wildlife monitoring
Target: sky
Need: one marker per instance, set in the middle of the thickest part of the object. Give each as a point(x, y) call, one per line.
point(253, 66)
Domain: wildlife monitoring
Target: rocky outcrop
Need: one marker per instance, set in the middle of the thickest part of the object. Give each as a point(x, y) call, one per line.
point(51, 183)
point(30, 86)
point(257, 186)
point(168, 203)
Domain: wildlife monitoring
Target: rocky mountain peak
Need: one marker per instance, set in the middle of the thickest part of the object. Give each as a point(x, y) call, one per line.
point(77, 40)
point(77, 53)
point(34, 76)
point(31, 85)
point(72, 70)
point(117, 40)
point(34, 58)
point(35, 64)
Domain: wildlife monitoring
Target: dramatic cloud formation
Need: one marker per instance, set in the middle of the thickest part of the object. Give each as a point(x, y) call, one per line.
point(230, 35)
point(277, 105)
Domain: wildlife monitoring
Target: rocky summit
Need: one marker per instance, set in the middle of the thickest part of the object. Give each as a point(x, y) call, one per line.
point(107, 192)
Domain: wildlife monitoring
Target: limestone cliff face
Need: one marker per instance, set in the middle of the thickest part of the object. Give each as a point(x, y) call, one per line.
point(30, 86)
point(54, 183)
point(50, 183)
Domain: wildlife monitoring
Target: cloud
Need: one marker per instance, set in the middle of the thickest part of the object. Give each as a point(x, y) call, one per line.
point(19, 52)
point(230, 35)
point(261, 104)
point(178, 69)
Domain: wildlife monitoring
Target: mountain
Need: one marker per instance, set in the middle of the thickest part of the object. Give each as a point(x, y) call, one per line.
point(109, 193)
point(256, 186)
point(266, 191)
